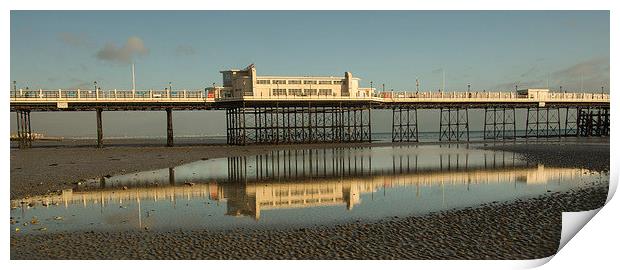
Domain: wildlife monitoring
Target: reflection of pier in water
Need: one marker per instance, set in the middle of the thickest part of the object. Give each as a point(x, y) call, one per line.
point(252, 197)
point(294, 164)
point(288, 180)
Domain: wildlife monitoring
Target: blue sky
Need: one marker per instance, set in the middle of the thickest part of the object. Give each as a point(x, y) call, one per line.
point(490, 49)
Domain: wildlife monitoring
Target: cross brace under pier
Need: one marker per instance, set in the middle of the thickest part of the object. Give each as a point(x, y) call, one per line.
point(543, 122)
point(453, 124)
point(405, 124)
point(274, 125)
point(499, 123)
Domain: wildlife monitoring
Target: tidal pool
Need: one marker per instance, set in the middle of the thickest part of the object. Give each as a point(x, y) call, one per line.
point(292, 188)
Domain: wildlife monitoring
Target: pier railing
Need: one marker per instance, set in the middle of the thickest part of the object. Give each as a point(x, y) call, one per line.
point(115, 94)
point(186, 95)
point(490, 95)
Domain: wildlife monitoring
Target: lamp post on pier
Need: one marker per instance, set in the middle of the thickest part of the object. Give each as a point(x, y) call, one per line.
point(169, 89)
point(417, 85)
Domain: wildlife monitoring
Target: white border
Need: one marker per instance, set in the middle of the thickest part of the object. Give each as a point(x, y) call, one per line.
point(595, 246)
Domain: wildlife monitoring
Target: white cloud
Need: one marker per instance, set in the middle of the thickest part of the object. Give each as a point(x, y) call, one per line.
point(125, 54)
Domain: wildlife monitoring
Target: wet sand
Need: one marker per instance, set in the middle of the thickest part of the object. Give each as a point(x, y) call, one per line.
point(580, 154)
point(523, 229)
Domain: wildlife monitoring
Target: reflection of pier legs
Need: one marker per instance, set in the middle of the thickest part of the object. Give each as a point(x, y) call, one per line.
point(453, 124)
point(24, 132)
point(237, 168)
point(491, 161)
point(273, 125)
point(171, 178)
point(405, 124)
point(406, 164)
point(499, 123)
point(300, 164)
point(542, 122)
point(453, 161)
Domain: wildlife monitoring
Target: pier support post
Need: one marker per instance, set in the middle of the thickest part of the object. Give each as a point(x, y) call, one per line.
point(499, 123)
point(453, 124)
point(99, 128)
point(404, 124)
point(235, 126)
point(606, 121)
point(584, 123)
point(593, 122)
point(298, 124)
point(169, 131)
point(24, 131)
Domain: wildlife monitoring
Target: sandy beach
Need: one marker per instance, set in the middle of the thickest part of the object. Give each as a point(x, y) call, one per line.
point(521, 229)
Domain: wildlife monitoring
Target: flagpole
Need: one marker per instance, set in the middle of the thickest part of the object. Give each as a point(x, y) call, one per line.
point(133, 77)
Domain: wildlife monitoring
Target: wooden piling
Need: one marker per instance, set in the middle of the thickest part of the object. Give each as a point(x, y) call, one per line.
point(170, 135)
point(99, 129)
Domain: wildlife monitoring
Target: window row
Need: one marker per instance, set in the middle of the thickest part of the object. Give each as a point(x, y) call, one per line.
point(301, 92)
point(297, 82)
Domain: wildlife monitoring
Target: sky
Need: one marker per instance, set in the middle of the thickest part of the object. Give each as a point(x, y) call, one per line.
point(491, 50)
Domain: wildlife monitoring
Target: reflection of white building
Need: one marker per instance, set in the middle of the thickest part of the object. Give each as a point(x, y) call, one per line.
point(245, 82)
point(250, 198)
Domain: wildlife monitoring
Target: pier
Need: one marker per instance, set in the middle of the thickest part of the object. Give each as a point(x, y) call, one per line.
point(311, 109)
point(315, 119)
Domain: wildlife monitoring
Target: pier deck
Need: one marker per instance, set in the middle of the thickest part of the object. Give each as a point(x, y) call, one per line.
point(329, 118)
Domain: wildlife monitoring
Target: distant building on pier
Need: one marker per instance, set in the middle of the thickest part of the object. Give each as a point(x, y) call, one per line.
point(245, 82)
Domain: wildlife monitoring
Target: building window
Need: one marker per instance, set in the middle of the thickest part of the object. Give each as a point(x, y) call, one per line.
point(325, 92)
point(278, 82)
point(262, 81)
point(309, 82)
point(278, 92)
point(294, 81)
point(295, 92)
point(337, 82)
point(325, 82)
point(310, 92)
